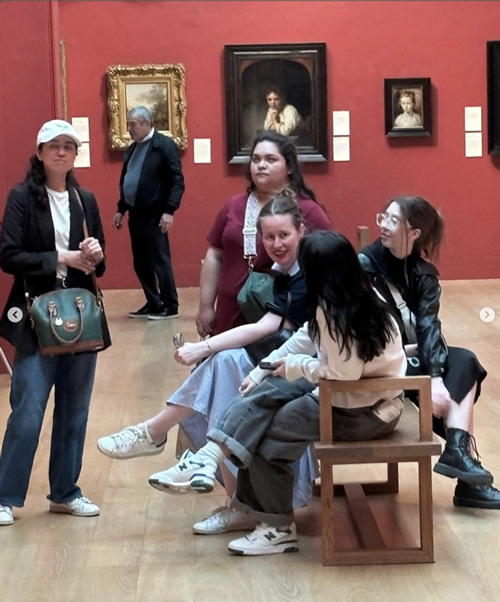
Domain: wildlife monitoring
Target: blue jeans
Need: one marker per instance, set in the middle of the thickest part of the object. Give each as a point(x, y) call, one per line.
point(33, 377)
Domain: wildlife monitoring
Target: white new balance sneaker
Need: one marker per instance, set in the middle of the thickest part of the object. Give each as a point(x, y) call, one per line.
point(223, 520)
point(80, 506)
point(131, 442)
point(193, 472)
point(6, 516)
point(266, 540)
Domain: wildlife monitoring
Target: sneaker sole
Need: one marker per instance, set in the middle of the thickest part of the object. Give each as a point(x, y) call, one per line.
point(199, 486)
point(453, 473)
point(130, 457)
point(284, 548)
point(467, 503)
point(157, 318)
point(201, 531)
point(57, 510)
point(177, 488)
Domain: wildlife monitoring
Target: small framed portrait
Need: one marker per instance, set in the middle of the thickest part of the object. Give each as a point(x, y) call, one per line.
point(160, 88)
point(408, 107)
point(493, 69)
point(280, 87)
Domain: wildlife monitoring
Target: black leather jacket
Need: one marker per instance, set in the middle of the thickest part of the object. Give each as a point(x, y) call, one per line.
point(418, 283)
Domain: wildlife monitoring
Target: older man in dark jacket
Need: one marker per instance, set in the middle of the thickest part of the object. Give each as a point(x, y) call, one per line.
point(151, 188)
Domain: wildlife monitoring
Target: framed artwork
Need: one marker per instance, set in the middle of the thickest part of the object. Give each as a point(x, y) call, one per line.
point(493, 69)
point(160, 88)
point(408, 107)
point(279, 87)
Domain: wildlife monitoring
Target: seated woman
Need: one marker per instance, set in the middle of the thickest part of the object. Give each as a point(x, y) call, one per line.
point(399, 266)
point(213, 385)
point(353, 336)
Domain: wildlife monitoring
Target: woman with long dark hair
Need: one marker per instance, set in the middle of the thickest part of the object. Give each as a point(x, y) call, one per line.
point(400, 266)
point(349, 335)
point(44, 247)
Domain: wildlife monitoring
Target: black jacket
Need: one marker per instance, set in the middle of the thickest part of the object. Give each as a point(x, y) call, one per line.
point(28, 252)
point(418, 283)
point(161, 184)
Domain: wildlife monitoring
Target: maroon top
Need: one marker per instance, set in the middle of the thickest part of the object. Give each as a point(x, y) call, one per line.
point(226, 234)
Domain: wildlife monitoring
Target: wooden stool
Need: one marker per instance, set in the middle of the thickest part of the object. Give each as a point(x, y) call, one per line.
point(411, 441)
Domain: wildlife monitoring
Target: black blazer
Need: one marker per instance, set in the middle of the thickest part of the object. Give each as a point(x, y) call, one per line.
point(28, 252)
point(161, 184)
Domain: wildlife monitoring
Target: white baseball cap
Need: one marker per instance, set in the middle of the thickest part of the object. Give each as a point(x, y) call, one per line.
point(54, 128)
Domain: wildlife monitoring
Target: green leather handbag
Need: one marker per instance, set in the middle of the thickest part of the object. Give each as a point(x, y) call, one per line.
point(67, 320)
point(254, 296)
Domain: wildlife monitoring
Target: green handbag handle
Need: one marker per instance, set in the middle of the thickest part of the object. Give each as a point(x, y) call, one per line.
point(53, 313)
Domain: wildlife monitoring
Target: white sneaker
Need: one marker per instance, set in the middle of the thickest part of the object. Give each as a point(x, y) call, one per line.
point(266, 540)
point(6, 516)
point(131, 442)
point(80, 506)
point(193, 472)
point(223, 520)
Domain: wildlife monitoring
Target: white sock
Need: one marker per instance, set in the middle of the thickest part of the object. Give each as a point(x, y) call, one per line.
point(149, 439)
point(211, 451)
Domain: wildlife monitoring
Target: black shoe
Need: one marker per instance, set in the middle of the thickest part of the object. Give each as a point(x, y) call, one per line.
point(456, 461)
point(140, 313)
point(163, 314)
point(476, 496)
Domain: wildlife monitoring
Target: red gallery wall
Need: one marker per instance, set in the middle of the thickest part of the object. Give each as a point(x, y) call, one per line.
point(25, 97)
point(366, 42)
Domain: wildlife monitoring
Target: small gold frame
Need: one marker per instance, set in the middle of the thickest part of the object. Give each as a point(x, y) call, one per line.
point(161, 88)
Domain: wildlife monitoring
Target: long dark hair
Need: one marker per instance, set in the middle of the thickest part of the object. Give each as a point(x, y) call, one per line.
point(421, 215)
point(337, 283)
point(36, 178)
point(288, 151)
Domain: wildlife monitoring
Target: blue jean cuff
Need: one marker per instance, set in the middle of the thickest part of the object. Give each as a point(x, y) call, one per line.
point(240, 456)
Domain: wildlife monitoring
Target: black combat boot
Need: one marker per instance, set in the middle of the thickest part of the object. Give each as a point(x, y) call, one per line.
point(476, 496)
point(456, 460)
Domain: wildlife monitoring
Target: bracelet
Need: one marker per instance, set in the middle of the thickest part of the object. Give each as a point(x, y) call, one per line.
point(208, 345)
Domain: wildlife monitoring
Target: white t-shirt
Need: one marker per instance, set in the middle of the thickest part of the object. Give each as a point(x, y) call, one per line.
point(59, 208)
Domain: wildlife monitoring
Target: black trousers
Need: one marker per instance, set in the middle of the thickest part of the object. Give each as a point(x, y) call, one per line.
point(152, 262)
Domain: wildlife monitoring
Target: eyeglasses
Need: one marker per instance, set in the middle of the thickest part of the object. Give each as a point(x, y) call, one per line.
point(390, 221)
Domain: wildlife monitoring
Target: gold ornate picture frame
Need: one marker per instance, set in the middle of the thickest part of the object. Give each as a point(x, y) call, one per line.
point(160, 88)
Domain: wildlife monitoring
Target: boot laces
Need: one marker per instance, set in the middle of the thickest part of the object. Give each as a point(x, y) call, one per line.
point(473, 449)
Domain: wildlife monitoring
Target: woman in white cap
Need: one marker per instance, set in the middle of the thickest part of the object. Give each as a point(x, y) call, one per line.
point(44, 247)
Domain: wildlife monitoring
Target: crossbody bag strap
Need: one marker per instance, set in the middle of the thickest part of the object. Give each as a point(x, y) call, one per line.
point(86, 235)
point(409, 319)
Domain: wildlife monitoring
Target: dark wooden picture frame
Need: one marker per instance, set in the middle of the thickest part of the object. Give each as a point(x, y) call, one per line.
point(296, 75)
point(408, 107)
point(493, 73)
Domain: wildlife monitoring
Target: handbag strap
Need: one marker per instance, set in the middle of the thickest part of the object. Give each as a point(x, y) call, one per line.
point(285, 315)
point(250, 230)
point(408, 317)
point(86, 234)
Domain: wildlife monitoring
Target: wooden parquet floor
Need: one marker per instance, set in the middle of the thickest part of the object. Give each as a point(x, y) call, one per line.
point(141, 548)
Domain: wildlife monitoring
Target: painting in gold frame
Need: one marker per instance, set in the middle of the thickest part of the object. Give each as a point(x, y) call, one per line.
point(160, 88)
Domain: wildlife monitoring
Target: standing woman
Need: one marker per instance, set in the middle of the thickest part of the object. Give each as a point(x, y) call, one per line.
point(44, 248)
point(273, 167)
point(399, 264)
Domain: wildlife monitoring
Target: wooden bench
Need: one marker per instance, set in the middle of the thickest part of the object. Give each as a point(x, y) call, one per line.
point(411, 441)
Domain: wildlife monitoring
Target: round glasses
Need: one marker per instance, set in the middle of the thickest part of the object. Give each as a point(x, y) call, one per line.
point(389, 221)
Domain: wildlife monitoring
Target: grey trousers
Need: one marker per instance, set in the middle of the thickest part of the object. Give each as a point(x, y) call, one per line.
point(270, 429)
